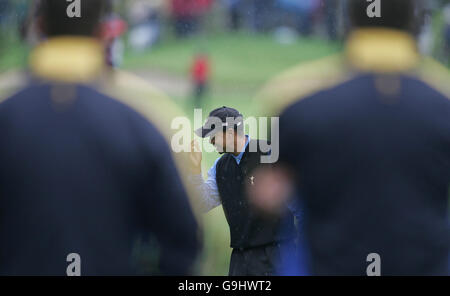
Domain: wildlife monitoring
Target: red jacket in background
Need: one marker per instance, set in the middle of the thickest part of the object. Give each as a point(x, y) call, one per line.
point(200, 69)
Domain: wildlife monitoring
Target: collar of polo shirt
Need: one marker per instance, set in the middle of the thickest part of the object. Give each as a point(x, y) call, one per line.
point(68, 59)
point(382, 50)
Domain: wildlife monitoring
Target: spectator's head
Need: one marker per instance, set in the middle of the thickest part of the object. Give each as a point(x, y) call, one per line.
point(55, 21)
point(394, 14)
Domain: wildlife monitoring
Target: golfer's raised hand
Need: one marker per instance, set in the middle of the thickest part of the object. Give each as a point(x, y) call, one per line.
point(195, 158)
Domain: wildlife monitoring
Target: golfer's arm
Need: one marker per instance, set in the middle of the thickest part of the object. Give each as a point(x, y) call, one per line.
point(208, 190)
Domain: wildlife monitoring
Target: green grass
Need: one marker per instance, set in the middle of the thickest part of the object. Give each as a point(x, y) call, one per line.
point(13, 53)
point(237, 60)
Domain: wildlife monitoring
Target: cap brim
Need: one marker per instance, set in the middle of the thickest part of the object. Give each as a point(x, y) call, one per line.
point(203, 132)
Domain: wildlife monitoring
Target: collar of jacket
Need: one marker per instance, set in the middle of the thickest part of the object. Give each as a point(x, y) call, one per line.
point(382, 50)
point(68, 59)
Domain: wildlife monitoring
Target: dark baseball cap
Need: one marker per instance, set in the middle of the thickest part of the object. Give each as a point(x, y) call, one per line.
point(223, 117)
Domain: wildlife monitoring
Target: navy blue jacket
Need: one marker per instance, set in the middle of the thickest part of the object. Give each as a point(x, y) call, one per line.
point(371, 155)
point(82, 173)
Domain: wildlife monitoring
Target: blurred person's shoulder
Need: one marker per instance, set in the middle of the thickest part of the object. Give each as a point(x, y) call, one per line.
point(86, 108)
point(300, 82)
point(11, 82)
point(435, 75)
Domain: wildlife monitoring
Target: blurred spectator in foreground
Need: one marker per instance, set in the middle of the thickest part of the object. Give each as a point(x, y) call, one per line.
point(82, 172)
point(365, 142)
point(200, 75)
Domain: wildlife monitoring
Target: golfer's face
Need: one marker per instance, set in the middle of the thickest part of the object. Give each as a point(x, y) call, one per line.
point(218, 141)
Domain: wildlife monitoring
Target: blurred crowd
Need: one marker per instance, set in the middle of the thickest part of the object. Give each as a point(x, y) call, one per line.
point(188, 16)
point(327, 18)
point(148, 20)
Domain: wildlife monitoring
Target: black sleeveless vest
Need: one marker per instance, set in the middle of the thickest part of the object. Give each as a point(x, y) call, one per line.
point(248, 228)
